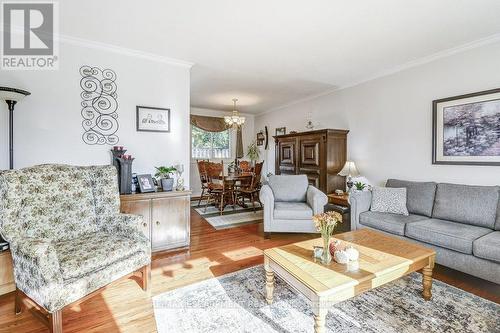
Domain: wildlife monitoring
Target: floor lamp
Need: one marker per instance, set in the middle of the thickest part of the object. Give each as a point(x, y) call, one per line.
point(11, 96)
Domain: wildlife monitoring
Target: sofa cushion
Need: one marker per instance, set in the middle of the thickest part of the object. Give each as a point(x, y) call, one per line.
point(393, 223)
point(474, 205)
point(419, 195)
point(447, 234)
point(389, 200)
point(488, 247)
point(92, 252)
point(292, 211)
point(289, 188)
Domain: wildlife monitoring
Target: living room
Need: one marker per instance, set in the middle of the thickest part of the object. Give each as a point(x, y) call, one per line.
point(191, 166)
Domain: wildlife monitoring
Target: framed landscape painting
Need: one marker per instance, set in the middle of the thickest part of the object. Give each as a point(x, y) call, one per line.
point(466, 129)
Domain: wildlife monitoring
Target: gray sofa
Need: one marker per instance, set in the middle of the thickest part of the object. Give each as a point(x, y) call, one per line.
point(289, 204)
point(460, 222)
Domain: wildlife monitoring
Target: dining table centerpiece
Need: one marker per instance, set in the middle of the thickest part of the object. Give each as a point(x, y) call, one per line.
point(325, 224)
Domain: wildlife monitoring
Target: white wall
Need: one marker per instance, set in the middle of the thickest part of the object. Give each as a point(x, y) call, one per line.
point(248, 135)
point(390, 118)
point(48, 124)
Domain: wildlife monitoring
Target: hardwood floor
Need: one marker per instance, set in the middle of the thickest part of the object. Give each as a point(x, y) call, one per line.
point(124, 307)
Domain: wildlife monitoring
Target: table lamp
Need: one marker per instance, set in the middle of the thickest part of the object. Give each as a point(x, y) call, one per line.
point(349, 170)
point(11, 96)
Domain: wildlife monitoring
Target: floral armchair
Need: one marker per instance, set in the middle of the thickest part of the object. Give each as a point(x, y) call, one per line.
point(67, 236)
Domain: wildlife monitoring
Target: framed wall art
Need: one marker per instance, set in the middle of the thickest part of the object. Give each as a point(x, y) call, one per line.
point(280, 131)
point(151, 119)
point(466, 129)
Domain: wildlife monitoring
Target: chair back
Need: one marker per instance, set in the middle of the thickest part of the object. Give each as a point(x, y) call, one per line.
point(214, 171)
point(245, 166)
point(202, 171)
point(257, 174)
point(56, 202)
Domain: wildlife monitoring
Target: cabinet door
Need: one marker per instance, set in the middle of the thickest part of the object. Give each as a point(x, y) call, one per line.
point(286, 156)
point(139, 207)
point(170, 223)
point(311, 159)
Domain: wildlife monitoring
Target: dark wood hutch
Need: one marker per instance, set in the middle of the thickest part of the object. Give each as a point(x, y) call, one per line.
point(319, 154)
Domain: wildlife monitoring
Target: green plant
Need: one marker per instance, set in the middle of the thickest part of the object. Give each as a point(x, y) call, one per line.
point(253, 151)
point(360, 186)
point(164, 172)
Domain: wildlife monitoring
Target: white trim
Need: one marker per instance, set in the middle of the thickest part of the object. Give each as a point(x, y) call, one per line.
point(414, 63)
point(121, 50)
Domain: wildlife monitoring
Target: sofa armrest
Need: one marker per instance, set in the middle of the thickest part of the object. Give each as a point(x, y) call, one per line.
point(36, 266)
point(126, 225)
point(360, 202)
point(266, 196)
point(316, 199)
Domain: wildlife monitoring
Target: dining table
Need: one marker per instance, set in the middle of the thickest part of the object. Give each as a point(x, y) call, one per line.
point(233, 178)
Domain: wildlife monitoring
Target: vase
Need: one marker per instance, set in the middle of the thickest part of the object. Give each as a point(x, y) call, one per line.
point(327, 257)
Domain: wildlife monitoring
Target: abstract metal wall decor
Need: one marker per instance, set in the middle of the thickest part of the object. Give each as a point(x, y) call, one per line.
point(99, 106)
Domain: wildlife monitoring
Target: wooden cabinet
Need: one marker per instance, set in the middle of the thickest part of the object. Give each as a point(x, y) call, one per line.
point(166, 217)
point(318, 154)
point(6, 273)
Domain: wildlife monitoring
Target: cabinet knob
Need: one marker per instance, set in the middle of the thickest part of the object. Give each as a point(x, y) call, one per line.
point(144, 224)
point(157, 222)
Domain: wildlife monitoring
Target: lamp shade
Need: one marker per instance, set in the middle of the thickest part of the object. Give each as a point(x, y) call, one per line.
point(12, 94)
point(349, 170)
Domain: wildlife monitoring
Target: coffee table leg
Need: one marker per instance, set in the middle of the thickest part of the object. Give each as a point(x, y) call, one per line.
point(427, 279)
point(269, 282)
point(319, 318)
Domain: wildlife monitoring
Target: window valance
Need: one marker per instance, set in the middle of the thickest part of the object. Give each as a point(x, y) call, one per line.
point(209, 124)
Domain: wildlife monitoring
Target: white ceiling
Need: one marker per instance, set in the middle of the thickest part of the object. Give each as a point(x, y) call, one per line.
point(270, 53)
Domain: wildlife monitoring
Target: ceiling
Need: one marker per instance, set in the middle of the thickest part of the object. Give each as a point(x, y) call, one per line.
point(272, 53)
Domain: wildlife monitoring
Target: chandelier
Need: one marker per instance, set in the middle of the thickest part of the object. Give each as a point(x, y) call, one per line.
point(234, 120)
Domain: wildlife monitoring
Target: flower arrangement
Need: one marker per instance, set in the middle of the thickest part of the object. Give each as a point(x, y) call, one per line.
point(325, 224)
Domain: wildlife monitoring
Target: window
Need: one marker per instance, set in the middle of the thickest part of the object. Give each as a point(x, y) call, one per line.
point(208, 145)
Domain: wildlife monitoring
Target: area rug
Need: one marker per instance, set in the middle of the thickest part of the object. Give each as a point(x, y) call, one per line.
point(232, 217)
point(236, 303)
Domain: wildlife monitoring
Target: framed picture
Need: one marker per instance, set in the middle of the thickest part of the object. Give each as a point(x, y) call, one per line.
point(150, 119)
point(146, 183)
point(466, 129)
point(281, 131)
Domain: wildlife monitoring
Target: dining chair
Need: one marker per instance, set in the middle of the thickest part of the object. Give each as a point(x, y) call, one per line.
point(250, 189)
point(245, 166)
point(203, 178)
point(220, 192)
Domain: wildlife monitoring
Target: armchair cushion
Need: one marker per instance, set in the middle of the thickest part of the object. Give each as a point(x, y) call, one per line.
point(93, 252)
point(292, 211)
point(289, 188)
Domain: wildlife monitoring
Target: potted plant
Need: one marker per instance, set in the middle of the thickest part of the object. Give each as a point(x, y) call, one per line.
point(163, 174)
point(253, 152)
point(360, 186)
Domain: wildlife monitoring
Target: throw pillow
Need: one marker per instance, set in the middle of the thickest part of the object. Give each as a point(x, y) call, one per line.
point(389, 200)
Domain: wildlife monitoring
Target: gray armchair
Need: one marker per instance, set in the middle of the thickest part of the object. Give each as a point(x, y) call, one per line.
point(289, 204)
point(67, 236)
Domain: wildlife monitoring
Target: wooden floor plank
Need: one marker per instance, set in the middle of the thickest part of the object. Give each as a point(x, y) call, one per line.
point(125, 307)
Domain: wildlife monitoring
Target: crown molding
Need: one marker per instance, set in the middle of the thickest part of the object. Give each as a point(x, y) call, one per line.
point(122, 50)
point(414, 63)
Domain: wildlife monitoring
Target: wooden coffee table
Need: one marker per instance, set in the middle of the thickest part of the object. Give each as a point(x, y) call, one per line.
point(382, 259)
